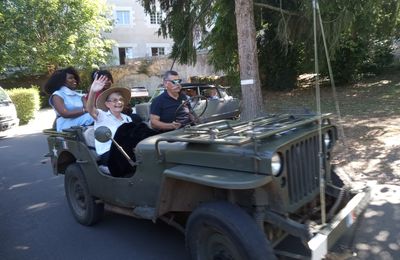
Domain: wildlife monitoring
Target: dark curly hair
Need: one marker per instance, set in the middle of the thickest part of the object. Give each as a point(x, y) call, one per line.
point(57, 79)
point(97, 73)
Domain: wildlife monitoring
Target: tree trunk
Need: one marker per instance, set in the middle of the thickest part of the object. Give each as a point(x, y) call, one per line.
point(252, 105)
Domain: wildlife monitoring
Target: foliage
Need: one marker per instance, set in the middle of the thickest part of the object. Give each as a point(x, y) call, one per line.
point(144, 66)
point(365, 47)
point(224, 81)
point(26, 102)
point(358, 35)
point(279, 58)
point(40, 36)
point(213, 80)
point(223, 54)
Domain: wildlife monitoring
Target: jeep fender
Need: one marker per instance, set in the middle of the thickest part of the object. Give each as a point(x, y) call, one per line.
point(217, 178)
point(184, 186)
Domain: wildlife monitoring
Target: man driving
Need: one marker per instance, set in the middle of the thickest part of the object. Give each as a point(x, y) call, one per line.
point(166, 112)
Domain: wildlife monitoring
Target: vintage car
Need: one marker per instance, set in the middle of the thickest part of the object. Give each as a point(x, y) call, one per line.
point(206, 107)
point(138, 95)
point(139, 92)
point(8, 113)
point(257, 189)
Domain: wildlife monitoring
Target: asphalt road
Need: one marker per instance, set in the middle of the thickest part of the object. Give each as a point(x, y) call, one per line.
point(35, 221)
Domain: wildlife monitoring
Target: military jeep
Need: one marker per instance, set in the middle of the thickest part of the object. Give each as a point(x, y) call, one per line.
point(260, 189)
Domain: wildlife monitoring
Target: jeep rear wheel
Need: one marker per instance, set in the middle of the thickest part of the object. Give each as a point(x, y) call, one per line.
point(220, 230)
point(83, 206)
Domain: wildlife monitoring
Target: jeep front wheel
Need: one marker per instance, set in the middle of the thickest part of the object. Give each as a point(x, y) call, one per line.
point(83, 206)
point(220, 230)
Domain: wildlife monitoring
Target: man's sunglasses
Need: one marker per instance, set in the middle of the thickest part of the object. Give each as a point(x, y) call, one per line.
point(175, 81)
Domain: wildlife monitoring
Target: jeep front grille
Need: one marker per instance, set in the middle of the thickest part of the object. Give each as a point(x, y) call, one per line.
point(302, 169)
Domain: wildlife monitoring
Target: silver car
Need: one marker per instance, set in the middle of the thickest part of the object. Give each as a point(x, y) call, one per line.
point(209, 102)
point(8, 114)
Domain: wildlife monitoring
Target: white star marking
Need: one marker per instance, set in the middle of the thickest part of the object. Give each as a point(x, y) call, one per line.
point(54, 151)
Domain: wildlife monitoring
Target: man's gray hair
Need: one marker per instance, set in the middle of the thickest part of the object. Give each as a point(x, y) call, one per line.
point(169, 73)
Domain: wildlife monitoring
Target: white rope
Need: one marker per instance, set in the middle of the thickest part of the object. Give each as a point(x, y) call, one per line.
point(342, 135)
point(318, 104)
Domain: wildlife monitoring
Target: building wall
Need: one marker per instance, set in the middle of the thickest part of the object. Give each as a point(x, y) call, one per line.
point(138, 36)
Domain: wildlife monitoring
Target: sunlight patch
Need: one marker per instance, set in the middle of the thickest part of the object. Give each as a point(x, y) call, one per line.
point(382, 236)
point(22, 247)
point(38, 206)
point(19, 185)
point(373, 213)
point(362, 246)
point(394, 246)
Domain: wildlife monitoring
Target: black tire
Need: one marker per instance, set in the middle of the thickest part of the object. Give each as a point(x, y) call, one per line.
point(83, 206)
point(220, 230)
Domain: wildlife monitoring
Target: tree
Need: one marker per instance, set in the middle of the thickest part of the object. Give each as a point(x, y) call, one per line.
point(187, 17)
point(248, 61)
point(358, 34)
point(39, 36)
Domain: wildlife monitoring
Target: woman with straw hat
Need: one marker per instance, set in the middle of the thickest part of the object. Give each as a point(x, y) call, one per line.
point(110, 104)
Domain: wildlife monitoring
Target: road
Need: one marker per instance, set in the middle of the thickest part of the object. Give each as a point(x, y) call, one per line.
point(36, 222)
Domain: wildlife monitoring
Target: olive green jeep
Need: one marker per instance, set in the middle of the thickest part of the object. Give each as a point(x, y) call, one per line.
point(261, 189)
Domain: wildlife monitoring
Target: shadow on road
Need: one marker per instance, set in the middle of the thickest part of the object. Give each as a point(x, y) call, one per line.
point(378, 235)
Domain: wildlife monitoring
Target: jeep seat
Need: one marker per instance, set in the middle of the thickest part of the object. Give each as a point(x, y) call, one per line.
point(88, 134)
point(143, 110)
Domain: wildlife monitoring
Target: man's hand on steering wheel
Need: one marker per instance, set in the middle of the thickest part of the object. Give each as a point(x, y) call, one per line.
point(185, 113)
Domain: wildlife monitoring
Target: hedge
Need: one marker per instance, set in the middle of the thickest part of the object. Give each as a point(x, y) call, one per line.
point(27, 102)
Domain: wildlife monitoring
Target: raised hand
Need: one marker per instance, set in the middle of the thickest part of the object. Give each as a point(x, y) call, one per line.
point(98, 83)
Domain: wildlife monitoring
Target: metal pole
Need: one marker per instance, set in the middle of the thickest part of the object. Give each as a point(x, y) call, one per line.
point(318, 100)
point(131, 162)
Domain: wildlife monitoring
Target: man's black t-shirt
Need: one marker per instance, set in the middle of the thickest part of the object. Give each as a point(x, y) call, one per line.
point(166, 107)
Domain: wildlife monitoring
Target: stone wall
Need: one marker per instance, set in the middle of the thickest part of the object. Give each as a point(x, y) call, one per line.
point(148, 72)
point(145, 72)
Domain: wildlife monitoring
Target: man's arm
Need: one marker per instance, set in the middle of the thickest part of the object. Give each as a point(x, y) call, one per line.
point(157, 124)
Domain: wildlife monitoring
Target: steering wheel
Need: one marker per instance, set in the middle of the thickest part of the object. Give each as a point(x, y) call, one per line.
point(190, 111)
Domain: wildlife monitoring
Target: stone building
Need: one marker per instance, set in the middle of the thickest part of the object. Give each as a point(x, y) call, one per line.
point(135, 32)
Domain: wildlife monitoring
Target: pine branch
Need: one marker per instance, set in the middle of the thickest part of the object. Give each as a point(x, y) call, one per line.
point(276, 9)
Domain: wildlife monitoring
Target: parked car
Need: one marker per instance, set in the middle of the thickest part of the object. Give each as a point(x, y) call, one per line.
point(207, 108)
point(8, 114)
point(138, 95)
point(237, 190)
point(139, 92)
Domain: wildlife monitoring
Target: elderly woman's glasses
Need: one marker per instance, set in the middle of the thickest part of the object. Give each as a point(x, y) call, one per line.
point(175, 81)
point(116, 100)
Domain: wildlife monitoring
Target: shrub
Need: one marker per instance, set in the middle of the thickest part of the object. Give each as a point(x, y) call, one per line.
point(26, 102)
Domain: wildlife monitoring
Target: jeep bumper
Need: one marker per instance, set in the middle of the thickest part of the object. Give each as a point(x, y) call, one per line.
point(338, 226)
point(297, 247)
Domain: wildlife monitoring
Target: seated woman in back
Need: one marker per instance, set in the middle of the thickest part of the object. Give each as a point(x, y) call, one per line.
point(110, 104)
point(97, 73)
point(68, 104)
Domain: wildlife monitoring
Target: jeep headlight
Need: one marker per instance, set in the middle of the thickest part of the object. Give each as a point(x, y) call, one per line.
point(276, 164)
point(327, 140)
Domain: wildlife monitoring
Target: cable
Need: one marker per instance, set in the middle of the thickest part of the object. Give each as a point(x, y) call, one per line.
point(334, 92)
point(318, 101)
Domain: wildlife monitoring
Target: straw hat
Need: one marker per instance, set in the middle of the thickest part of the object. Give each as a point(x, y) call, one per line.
point(101, 99)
